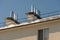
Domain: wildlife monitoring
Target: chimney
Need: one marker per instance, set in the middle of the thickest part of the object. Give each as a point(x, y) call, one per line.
point(33, 15)
point(12, 20)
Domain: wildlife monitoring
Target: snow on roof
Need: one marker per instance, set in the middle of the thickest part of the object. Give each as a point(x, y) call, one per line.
point(36, 21)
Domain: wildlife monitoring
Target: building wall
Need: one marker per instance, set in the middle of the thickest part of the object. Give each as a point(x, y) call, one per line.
point(54, 31)
point(30, 32)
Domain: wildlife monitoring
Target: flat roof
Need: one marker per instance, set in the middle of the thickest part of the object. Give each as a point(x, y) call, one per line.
point(32, 22)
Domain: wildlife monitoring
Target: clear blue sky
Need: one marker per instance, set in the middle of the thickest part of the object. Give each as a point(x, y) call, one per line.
point(21, 7)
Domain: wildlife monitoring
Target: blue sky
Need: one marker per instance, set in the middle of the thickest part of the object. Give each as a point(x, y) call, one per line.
point(21, 7)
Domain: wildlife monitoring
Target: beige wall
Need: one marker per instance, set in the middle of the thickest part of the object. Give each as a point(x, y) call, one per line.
point(54, 31)
point(30, 32)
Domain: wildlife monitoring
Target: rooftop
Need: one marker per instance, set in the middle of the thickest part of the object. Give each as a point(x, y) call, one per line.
point(32, 22)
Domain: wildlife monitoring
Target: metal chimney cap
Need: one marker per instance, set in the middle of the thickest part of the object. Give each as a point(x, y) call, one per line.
point(33, 13)
point(9, 18)
point(29, 13)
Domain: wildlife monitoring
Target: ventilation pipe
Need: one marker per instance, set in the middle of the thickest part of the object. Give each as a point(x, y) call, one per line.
point(13, 15)
point(32, 8)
